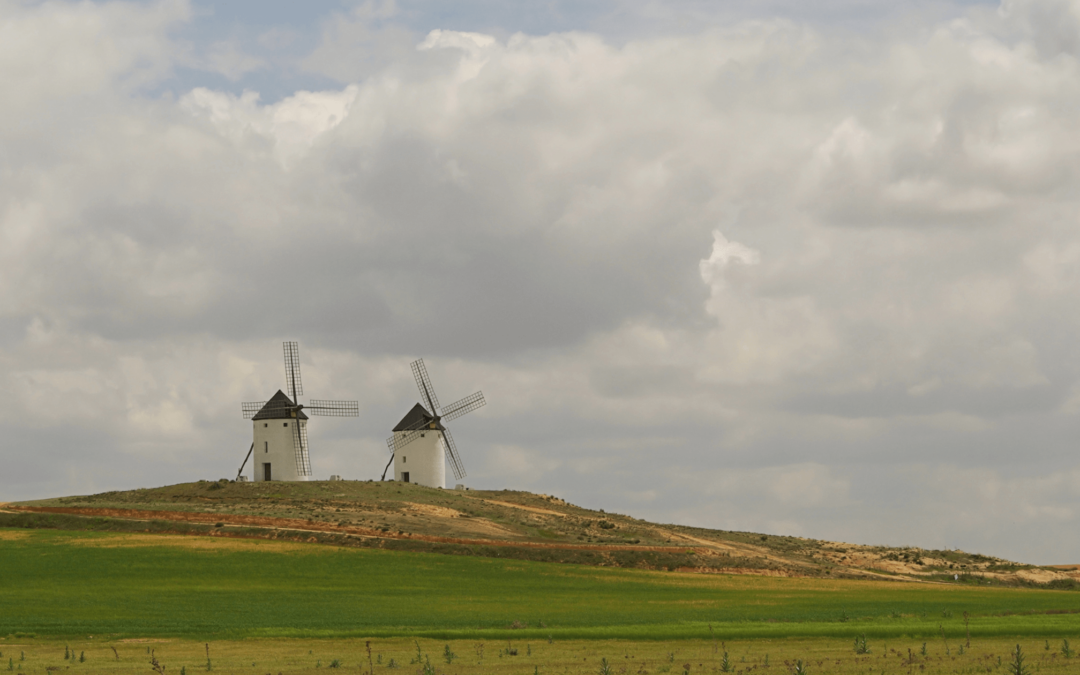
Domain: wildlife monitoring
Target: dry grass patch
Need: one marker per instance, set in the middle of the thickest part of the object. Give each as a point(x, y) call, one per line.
point(181, 541)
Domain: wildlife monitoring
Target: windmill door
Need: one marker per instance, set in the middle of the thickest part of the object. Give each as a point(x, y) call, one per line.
point(266, 471)
point(404, 476)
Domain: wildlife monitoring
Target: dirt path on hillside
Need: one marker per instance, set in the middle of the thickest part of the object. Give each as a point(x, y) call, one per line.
point(296, 524)
point(534, 509)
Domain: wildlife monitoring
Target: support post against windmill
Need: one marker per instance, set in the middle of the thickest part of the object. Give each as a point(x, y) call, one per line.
point(246, 458)
point(421, 444)
point(280, 426)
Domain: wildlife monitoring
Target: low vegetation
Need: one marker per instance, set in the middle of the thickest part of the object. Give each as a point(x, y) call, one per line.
point(998, 656)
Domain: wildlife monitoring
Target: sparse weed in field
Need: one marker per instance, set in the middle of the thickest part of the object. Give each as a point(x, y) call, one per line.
point(861, 646)
point(419, 658)
point(961, 650)
point(183, 670)
point(923, 650)
point(378, 659)
point(67, 654)
point(479, 652)
point(1065, 650)
point(428, 668)
point(335, 664)
point(318, 663)
point(605, 667)
point(799, 668)
point(725, 664)
point(1017, 667)
point(448, 655)
point(671, 657)
point(1047, 647)
point(10, 663)
point(82, 657)
point(391, 664)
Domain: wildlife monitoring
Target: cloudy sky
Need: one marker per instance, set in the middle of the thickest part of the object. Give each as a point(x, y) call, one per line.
point(807, 268)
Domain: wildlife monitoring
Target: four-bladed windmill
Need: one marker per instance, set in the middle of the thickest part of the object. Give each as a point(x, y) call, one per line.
point(282, 445)
point(428, 423)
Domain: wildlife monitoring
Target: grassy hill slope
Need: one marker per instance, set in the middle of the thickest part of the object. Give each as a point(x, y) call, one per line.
point(505, 524)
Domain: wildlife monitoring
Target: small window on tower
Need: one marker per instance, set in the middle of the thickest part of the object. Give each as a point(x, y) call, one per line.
point(403, 459)
point(286, 424)
point(266, 424)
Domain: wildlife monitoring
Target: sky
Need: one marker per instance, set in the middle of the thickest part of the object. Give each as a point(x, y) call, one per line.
point(802, 268)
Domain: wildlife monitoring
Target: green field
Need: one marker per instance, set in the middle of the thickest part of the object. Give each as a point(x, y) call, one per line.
point(58, 584)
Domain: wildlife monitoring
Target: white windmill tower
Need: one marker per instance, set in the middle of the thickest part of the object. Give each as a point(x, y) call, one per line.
point(280, 444)
point(421, 442)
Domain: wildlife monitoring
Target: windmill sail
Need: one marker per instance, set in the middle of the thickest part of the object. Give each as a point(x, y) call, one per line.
point(292, 369)
point(300, 447)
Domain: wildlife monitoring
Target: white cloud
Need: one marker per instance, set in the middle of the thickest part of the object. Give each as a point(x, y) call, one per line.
point(724, 253)
point(292, 125)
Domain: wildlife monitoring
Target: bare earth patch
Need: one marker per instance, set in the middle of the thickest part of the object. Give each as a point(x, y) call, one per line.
point(432, 510)
point(533, 509)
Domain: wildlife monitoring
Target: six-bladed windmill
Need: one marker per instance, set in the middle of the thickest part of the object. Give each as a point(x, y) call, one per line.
point(427, 466)
point(280, 426)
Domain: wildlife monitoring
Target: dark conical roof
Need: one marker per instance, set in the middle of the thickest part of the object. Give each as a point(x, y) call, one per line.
point(279, 407)
point(415, 419)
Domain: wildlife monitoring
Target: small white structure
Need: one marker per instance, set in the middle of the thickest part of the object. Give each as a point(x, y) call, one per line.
point(423, 461)
point(275, 455)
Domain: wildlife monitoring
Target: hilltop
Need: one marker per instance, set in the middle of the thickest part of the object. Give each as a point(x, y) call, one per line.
point(504, 524)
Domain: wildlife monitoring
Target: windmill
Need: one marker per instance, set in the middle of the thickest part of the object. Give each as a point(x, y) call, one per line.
point(421, 437)
point(280, 426)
